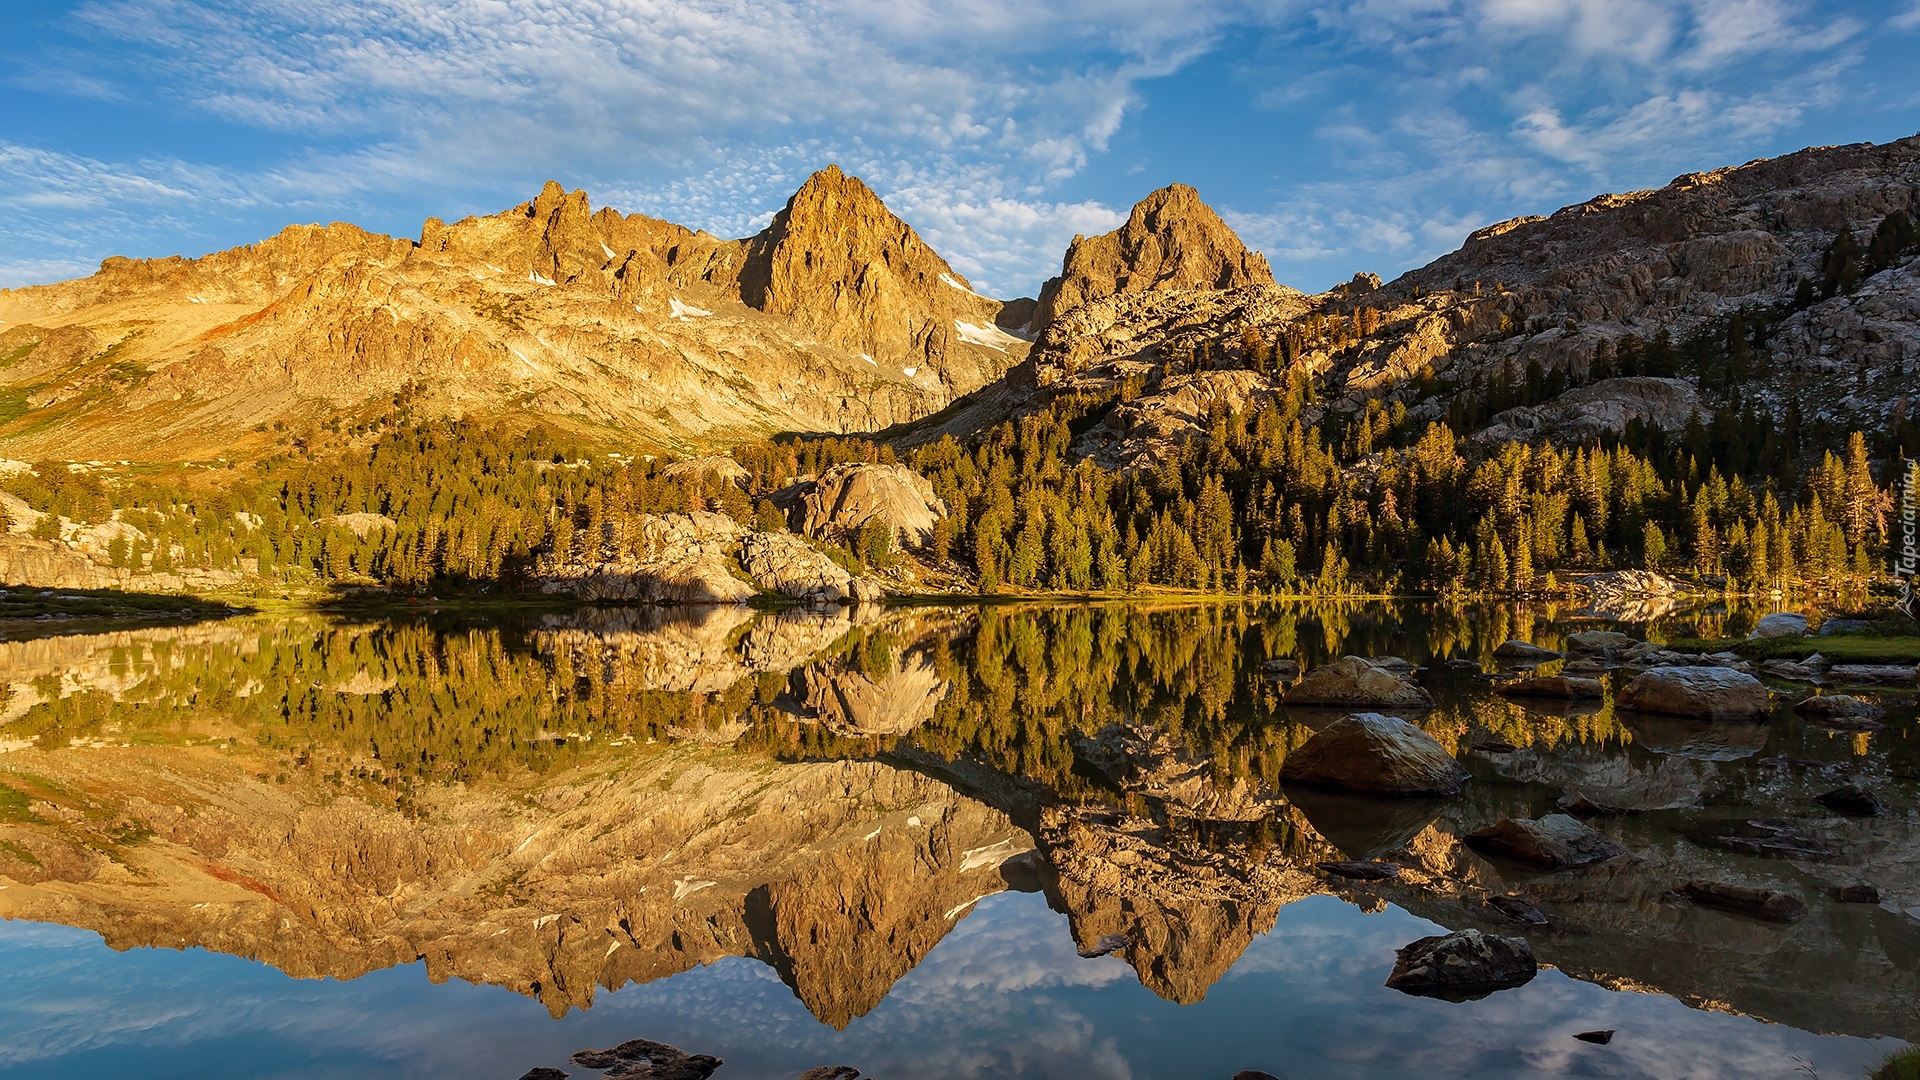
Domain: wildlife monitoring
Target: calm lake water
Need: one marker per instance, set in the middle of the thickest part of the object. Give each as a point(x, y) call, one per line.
point(440, 846)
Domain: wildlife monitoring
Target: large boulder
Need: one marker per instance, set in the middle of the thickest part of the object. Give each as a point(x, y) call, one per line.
point(1779, 624)
point(1374, 754)
point(1463, 965)
point(1705, 693)
point(1353, 682)
point(846, 497)
point(1553, 842)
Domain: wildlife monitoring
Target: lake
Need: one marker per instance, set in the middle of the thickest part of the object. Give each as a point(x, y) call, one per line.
point(462, 846)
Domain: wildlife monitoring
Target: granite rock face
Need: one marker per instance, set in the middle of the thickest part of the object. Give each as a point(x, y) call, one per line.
point(846, 497)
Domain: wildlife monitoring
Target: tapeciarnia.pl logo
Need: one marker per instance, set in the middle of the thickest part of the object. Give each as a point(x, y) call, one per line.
point(1906, 546)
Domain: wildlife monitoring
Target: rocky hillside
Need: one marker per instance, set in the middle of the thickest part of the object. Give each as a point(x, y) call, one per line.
point(837, 318)
point(1740, 275)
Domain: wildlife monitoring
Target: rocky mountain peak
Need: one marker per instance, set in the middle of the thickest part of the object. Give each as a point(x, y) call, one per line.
point(842, 265)
point(1172, 240)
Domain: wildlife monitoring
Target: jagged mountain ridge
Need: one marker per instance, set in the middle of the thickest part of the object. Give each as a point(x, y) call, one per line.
point(1561, 290)
point(837, 318)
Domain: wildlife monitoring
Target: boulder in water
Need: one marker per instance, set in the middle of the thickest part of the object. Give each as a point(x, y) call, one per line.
point(1779, 624)
point(1554, 842)
point(1602, 643)
point(1377, 755)
point(1524, 650)
point(1463, 965)
point(1352, 681)
point(1769, 904)
point(1839, 706)
point(1705, 693)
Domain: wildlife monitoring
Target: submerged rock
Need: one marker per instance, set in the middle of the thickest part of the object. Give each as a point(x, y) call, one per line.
point(1374, 754)
point(1281, 668)
point(1846, 706)
point(1555, 842)
point(1553, 686)
point(1352, 681)
point(1463, 965)
point(1518, 910)
point(1706, 693)
point(1771, 839)
point(1770, 904)
point(1852, 800)
point(1856, 894)
point(1524, 650)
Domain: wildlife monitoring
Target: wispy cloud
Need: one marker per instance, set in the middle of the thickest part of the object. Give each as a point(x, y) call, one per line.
point(984, 122)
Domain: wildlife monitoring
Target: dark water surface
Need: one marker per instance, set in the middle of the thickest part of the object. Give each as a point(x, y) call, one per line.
point(433, 847)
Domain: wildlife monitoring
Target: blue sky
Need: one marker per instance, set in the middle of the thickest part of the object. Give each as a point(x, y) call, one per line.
point(1337, 136)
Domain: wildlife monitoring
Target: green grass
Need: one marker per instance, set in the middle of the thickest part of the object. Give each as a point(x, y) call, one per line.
point(17, 602)
point(15, 806)
point(19, 852)
point(1899, 1065)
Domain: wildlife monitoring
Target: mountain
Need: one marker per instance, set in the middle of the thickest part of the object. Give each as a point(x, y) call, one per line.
point(1171, 241)
point(836, 318)
point(1734, 272)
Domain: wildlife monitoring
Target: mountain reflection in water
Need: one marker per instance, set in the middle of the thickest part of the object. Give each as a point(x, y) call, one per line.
point(579, 802)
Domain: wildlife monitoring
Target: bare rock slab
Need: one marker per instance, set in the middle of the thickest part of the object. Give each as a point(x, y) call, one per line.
point(1554, 842)
point(1463, 965)
point(1377, 755)
point(1703, 693)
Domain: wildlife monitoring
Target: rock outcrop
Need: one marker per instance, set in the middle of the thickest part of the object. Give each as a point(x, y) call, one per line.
point(845, 498)
point(783, 563)
point(1171, 241)
point(667, 558)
